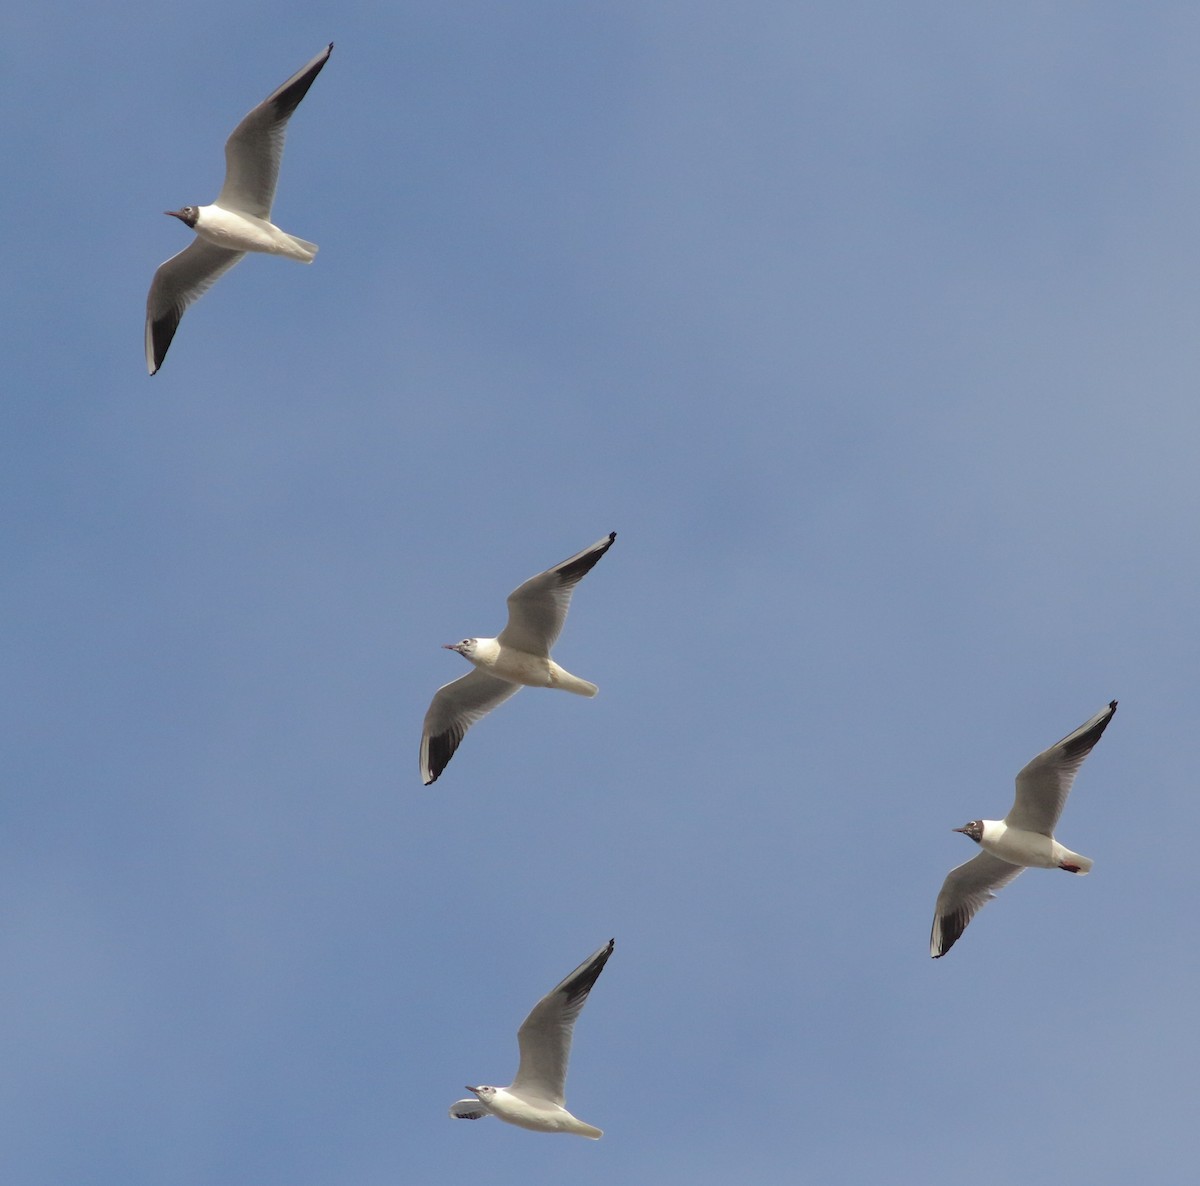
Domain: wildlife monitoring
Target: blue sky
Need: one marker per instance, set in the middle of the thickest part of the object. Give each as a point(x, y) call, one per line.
point(871, 330)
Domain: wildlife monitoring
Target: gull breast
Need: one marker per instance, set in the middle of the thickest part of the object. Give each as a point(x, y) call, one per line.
point(1018, 847)
point(522, 668)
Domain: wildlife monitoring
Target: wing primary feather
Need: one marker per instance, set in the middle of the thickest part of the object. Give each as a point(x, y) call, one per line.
point(577, 567)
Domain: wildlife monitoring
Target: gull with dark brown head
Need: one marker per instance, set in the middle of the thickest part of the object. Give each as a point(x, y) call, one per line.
point(1023, 839)
point(519, 656)
point(535, 1098)
point(238, 221)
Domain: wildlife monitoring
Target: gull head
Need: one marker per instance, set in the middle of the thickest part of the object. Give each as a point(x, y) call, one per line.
point(483, 1092)
point(188, 214)
point(466, 648)
point(974, 829)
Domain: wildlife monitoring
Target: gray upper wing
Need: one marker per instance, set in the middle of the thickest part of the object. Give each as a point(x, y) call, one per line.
point(545, 1035)
point(456, 706)
point(176, 284)
point(1043, 785)
point(966, 890)
point(255, 148)
point(538, 608)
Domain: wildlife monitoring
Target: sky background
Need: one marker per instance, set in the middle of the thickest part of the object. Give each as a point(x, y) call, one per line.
point(871, 329)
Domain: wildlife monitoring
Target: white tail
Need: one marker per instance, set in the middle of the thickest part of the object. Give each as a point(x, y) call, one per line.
point(1074, 862)
point(560, 678)
point(308, 249)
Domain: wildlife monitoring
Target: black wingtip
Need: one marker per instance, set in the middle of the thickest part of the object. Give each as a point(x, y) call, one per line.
point(576, 567)
point(1112, 704)
point(949, 929)
point(162, 334)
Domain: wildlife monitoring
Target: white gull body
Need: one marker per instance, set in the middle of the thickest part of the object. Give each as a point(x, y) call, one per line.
point(1023, 839)
point(519, 656)
point(238, 221)
point(535, 1099)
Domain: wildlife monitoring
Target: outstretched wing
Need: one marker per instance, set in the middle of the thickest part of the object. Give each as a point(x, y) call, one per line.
point(255, 148)
point(1044, 784)
point(966, 890)
point(456, 706)
point(181, 280)
point(545, 1035)
point(538, 608)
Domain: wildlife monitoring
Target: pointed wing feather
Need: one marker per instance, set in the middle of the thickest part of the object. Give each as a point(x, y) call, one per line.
point(255, 147)
point(1044, 784)
point(456, 706)
point(545, 1035)
point(538, 608)
point(966, 890)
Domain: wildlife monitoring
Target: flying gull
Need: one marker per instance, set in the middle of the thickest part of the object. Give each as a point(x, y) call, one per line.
point(518, 655)
point(535, 1098)
point(1023, 839)
point(238, 221)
